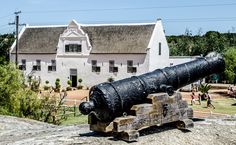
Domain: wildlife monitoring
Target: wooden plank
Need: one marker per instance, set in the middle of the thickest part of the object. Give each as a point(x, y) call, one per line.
point(141, 108)
point(129, 135)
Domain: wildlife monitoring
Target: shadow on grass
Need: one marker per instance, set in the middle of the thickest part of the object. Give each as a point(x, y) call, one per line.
point(233, 104)
point(198, 119)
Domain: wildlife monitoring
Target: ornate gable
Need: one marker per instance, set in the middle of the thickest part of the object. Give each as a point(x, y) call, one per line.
point(75, 36)
point(73, 30)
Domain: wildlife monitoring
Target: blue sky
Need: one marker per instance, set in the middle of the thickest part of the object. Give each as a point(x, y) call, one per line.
point(176, 15)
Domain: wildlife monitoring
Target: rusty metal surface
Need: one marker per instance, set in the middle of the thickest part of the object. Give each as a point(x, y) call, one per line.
point(110, 100)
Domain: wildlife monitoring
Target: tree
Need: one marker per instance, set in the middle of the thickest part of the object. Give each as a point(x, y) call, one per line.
point(6, 41)
point(204, 88)
point(18, 100)
point(11, 84)
point(230, 64)
point(214, 42)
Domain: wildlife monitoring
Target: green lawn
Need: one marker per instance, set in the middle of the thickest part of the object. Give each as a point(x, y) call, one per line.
point(223, 105)
point(78, 119)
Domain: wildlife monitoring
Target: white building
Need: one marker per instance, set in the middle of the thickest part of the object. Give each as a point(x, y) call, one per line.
point(93, 53)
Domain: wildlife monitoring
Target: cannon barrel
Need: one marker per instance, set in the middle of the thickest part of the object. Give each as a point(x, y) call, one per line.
point(110, 100)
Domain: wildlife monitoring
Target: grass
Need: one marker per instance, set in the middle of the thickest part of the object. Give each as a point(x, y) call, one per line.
point(223, 105)
point(75, 120)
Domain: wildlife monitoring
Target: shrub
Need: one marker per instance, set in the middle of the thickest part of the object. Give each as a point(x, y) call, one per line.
point(34, 83)
point(204, 88)
point(80, 80)
point(79, 87)
point(46, 82)
point(17, 100)
point(46, 87)
point(69, 88)
point(69, 82)
point(11, 81)
point(110, 79)
point(57, 85)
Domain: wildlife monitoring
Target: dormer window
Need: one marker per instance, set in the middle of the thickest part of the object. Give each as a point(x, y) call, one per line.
point(73, 48)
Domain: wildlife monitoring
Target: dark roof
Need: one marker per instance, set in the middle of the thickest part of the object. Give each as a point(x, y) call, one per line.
point(119, 39)
point(104, 39)
point(40, 40)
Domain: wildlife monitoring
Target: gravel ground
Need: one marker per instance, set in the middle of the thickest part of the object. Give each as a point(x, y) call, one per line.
point(214, 131)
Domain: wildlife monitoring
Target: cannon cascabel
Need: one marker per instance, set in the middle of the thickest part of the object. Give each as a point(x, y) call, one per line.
point(110, 100)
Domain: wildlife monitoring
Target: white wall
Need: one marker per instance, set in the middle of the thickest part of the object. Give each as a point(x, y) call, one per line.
point(175, 60)
point(157, 61)
point(84, 67)
point(45, 62)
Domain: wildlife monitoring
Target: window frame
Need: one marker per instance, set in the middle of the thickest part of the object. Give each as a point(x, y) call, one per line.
point(23, 65)
point(37, 67)
point(53, 66)
point(73, 48)
point(111, 66)
point(130, 67)
point(95, 67)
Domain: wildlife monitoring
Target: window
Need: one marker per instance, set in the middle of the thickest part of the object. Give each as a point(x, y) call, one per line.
point(23, 65)
point(112, 67)
point(73, 48)
point(95, 68)
point(130, 68)
point(159, 48)
point(37, 67)
point(52, 67)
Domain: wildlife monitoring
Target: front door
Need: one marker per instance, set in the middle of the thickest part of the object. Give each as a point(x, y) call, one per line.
point(74, 81)
point(73, 77)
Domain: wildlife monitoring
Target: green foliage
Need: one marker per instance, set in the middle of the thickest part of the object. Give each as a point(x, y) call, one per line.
point(57, 85)
point(80, 80)
point(69, 82)
point(34, 83)
point(79, 87)
point(6, 41)
point(185, 45)
point(50, 109)
point(29, 105)
point(69, 88)
point(204, 88)
point(11, 81)
point(110, 79)
point(47, 86)
point(230, 64)
point(17, 100)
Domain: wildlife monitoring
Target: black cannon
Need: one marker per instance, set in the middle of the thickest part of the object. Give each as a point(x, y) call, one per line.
point(111, 100)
